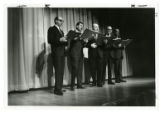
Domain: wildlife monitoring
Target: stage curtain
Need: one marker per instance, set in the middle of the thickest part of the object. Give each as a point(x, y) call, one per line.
point(27, 33)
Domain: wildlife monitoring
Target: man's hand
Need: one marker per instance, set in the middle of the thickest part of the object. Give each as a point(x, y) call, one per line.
point(75, 38)
point(117, 39)
point(66, 48)
point(94, 45)
point(119, 45)
point(63, 39)
point(86, 40)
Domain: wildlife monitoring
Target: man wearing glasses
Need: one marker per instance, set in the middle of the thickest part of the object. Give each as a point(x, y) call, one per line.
point(107, 58)
point(116, 57)
point(58, 42)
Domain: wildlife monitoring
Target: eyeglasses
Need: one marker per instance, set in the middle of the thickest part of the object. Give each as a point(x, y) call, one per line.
point(61, 20)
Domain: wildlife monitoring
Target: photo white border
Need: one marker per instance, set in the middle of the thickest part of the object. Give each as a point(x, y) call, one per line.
point(69, 3)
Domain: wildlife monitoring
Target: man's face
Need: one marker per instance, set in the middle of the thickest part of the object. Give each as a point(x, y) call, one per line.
point(59, 22)
point(109, 30)
point(95, 27)
point(117, 32)
point(80, 27)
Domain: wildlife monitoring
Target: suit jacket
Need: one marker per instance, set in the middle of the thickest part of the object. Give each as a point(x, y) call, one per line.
point(116, 52)
point(96, 52)
point(54, 35)
point(76, 47)
point(108, 46)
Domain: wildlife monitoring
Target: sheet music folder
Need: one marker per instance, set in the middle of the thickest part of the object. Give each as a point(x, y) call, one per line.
point(72, 34)
point(124, 43)
point(88, 34)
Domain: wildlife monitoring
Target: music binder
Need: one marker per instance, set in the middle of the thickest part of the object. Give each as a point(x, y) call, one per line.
point(72, 34)
point(126, 42)
point(123, 43)
point(88, 34)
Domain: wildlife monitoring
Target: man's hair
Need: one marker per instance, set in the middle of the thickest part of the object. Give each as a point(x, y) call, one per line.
point(96, 25)
point(117, 30)
point(109, 27)
point(78, 23)
point(55, 19)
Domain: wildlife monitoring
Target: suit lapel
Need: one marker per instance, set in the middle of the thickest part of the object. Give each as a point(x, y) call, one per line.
point(60, 31)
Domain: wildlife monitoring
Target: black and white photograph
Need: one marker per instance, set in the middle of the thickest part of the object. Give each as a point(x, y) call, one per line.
point(83, 56)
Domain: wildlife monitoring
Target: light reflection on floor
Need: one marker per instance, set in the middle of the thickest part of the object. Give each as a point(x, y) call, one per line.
point(90, 96)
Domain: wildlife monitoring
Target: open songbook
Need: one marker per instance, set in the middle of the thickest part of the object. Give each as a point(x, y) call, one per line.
point(126, 42)
point(123, 43)
point(72, 34)
point(88, 34)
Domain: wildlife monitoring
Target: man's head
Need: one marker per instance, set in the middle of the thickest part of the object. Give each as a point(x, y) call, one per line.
point(117, 32)
point(58, 21)
point(79, 26)
point(109, 29)
point(95, 27)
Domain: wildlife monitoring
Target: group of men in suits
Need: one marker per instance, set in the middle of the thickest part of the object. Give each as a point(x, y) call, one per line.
point(102, 52)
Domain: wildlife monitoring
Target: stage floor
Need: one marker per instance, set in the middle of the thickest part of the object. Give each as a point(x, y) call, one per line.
point(136, 91)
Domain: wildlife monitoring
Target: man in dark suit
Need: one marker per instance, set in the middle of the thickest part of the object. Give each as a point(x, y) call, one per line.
point(107, 57)
point(76, 56)
point(95, 55)
point(116, 57)
point(58, 42)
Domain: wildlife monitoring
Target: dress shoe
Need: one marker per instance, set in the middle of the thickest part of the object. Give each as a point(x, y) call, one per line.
point(63, 90)
point(58, 92)
point(80, 87)
point(123, 80)
point(110, 82)
point(99, 85)
point(117, 81)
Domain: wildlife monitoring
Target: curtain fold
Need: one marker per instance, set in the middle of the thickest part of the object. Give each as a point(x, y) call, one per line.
point(27, 33)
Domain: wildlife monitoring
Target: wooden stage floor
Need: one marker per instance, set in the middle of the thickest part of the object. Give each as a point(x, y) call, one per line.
point(135, 92)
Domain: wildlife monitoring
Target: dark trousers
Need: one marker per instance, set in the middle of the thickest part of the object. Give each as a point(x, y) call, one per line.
point(59, 71)
point(76, 70)
point(117, 63)
point(107, 62)
point(87, 70)
point(96, 69)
